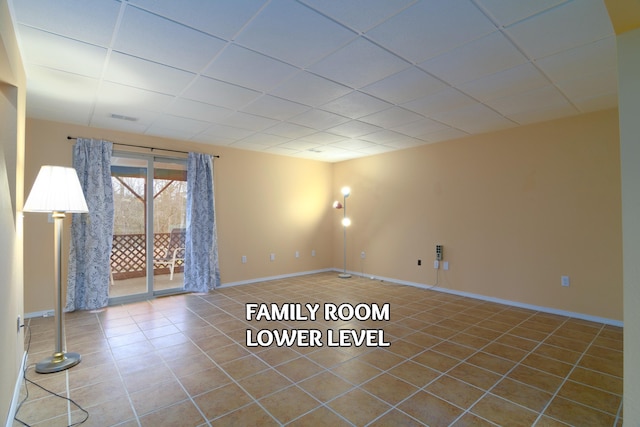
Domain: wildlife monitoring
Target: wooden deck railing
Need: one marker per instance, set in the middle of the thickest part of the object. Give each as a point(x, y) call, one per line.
point(128, 255)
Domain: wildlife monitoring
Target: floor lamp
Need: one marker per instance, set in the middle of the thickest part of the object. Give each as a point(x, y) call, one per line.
point(57, 191)
point(345, 223)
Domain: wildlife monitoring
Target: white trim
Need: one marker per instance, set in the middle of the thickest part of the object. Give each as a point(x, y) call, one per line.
point(266, 279)
point(16, 393)
point(581, 316)
point(44, 313)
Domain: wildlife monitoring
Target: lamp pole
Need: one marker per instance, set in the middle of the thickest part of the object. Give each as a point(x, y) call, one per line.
point(345, 223)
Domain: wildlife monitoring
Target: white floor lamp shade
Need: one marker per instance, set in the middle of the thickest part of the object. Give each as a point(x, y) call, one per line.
point(57, 190)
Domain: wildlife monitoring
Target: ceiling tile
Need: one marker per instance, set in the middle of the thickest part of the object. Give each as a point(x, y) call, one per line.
point(445, 135)
point(299, 145)
point(220, 93)
point(570, 25)
point(359, 64)
point(275, 108)
point(518, 79)
point(355, 105)
point(429, 28)
point(475, 59)
point(282, 151)
point(322, 138)
point(183, 124)
point(474, 119)
point(120, 96)
point(360, 15)
point(390, 138)
point(597, 103)
point(290, 130)
point(46, 108)
point(264, 139)
point(590, 58)
point(221, 18)
point(319, 119)
point(140, 33)
point(354, 129)
point(54, 87)
point(104, 115)
point(590, 84)
point(394, 116)
point(97, 17)
point(420, 128)
point(507, 12)
point(444, 100)
point(533, 100)
point(198, 110)
point(249, 69)
point(225, 132)
point(309, 89)
point(105, 121)
point(293, 33)
point(61, 53)
point(376, 149)
point(247, 121)
point(136, 72)
point(405, 86)
point(352, 144)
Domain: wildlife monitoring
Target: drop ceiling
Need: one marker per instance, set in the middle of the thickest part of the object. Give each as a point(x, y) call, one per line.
point(320, 79)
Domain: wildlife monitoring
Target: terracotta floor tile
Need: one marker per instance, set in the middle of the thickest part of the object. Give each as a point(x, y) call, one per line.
point(414, 373)
point(576, 414)
point(154, 398)
point(430, 410)
point(299, 369)
point(455, 391)
point(521, 394)
point(535, 378)
point(321, 416)
point(251, 415)
point(156, 356)
point(289, 403)
point(325, 386)
point(491, 363)
point(184, 413)
point(222, 400)
point(264, 383)
point(503, 412)
point(590, 396)
point(436, 361)
point(395, 418)
point(204, 381)
point(599, 380)
point(356, 372)
point(474, 375)
point(389, 388)
point(359, 407)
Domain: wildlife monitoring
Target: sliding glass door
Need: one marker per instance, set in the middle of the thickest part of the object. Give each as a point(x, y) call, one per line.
point(149, 226)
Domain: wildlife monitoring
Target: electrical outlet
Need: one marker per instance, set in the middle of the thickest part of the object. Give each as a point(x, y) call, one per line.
point(313, 252)
point(445, 265)
point(297, 254)
point(564, 280)
point(363, 255)
point(272, 257)
point(439, 252)
point(436, 264)
point(244, 259)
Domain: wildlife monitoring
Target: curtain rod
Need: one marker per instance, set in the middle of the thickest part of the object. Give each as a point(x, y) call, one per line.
point(149, 148)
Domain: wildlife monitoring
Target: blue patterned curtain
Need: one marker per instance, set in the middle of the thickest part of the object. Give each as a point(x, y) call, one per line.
point(201, 271)
point(92, 233)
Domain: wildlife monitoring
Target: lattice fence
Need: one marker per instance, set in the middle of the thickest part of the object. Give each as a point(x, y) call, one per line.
point(128, 255)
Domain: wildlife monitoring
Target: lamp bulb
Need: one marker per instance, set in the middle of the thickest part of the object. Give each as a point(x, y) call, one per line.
point(346, 222)
point(346, 191)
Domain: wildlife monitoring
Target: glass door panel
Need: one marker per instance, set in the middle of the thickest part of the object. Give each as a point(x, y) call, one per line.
point(129, 250)
point(169, 222)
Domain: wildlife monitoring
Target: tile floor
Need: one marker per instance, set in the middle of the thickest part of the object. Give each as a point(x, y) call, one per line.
point(183, 361)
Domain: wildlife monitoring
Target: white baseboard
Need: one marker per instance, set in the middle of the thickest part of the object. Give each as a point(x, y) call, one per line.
point(16, 392)
point(44, 313)
point(266, 279)
point(542, 309)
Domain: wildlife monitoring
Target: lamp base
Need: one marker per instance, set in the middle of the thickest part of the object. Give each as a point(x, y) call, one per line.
point(344, 275)
point(58, 362)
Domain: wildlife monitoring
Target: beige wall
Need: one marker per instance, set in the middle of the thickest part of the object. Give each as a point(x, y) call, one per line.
point(12, 116)
point(514, 211)
point(264, 204)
